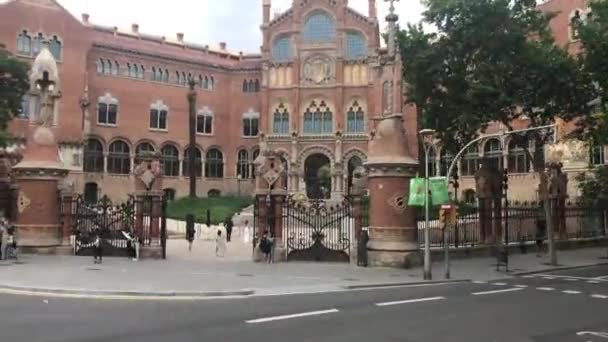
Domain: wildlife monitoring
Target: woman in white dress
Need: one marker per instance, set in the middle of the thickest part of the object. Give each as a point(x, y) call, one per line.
point(246, 232)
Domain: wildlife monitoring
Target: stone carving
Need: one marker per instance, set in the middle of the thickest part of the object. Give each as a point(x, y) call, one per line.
point(147, 172)
point(66, 186)
point(397, 202)
point(387, 96)
point(318, 70)
point(23, 202)
point(488, 182)
point(359, 186)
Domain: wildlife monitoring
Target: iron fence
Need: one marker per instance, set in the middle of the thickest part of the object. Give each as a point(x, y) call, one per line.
point(575, 222)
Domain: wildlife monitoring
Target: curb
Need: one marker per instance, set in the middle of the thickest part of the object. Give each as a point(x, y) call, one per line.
point(141, 294)
point(558, 268)
point(431, 282)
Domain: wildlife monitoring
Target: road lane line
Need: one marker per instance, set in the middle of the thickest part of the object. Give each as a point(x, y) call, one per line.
point(571, 292)
point(546, 288)
point(548, 278)
point(566, 277)
point(298, 315)
point(479, 282)
point(522, 286)
point(496, 291)
point(599, 296)
point(571, 279)
point(499, 284)
point(593, 282)
point(409, 301)
point(529, 276)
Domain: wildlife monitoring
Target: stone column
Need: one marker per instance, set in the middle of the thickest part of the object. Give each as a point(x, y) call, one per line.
point(280, 252)
point(393, 231)
point(67, 213)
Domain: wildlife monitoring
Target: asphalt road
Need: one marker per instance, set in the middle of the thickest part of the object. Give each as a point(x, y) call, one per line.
point(562, 306)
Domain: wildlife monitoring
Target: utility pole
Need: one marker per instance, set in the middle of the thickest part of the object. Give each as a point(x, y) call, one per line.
point(192, 126)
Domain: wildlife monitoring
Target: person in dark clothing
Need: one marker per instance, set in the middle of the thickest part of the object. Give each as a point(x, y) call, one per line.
point(98, 248)
point(229, 227)
point(266, 246)
point(190, 230)
point(541, 233)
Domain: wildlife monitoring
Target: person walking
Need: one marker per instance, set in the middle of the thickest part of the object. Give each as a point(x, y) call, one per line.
point(98, 248)
point(220, 244)
point(229, 226)
point(246, 232)
point(190, 230)
point(3, 238)
point(266, 246)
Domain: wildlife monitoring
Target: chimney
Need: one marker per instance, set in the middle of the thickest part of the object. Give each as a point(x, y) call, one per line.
point(266, 11)
point(85, 18)
point(180, 37)
point(134, 28)
point(372, 9)
point(223, 46)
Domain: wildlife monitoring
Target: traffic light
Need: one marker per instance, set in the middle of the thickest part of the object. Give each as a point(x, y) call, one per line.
point(443, 215)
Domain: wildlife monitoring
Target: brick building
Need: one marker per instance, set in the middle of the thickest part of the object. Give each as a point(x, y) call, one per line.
point(313, 90)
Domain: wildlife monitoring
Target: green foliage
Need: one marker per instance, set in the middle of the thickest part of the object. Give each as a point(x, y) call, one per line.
point(593, 34)
point(221, 208)
point(13, 85)
point(324, 172)
point(594, 186)
point(490, 61)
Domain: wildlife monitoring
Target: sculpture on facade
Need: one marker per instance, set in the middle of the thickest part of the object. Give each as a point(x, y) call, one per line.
point(359, 186)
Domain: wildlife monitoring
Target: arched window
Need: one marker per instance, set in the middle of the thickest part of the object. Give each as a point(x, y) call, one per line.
point(178, 78)
point(109, 67)
point(170, 160)
point(518, 159)
point(318, 118)
point(251, 86)
point(211, 83)
point(119, 158)
point(116, 69)
point(107, 110)
point(280, 123)
point(200, 81)
point(353, 164)
point(198, 163)
point(101, 64)
point(251, 122)
point(204, 121)
point(470, 161)
point(91, 193)
point(446, 159)
point(245, 86)
point(242, 166)
point(142, 72)
point(319, 28)
point(254, 156)
point(154, 75)
point(55, 47)
point(158, 115)
point(37, 44)
point(144, 149)
point(183, 79)
point(206, 83)
point(432, 162)
point(24, 44)
point(93, 156)
point(355, 118)
point(493, 153)
point(356, 46)
point(598, 155)
point(256, 85)
point(134, 71)
point(166, 76)
point(214, 164)
point(214, 193)
point(281, 49)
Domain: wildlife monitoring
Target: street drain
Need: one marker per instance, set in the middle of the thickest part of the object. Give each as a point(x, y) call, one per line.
point(245, 275)
point(93, 269)
point(351, 279)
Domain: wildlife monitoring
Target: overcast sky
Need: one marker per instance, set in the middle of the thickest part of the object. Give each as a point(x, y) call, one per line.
point(236, 22)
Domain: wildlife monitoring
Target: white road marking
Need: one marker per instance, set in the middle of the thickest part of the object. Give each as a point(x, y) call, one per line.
point(499, 284)
point(599, 296)
point(571, 279)
point(593, 282)
point(283, 317)
point(529, 276)
point(409, 301)
point(567, 277)
point(522, 286)
point(479, 282)
point(545, 288)
point(602, 277)
point(571, 292)
point(548, 278)
point(496, 291)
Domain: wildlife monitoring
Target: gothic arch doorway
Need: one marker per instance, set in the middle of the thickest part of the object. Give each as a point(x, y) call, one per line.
point(91, 192)
point(317, 176)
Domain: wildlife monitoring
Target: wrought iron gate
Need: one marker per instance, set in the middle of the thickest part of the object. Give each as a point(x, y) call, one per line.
point(318, 230)
point(106, 219)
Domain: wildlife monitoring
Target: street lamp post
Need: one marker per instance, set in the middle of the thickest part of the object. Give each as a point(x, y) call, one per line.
point(427, 139)
point(192, 135)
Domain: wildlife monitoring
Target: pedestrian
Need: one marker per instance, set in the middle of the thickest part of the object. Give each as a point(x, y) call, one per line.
point(98, 248)
point(266, 247)
point(229, 226)
point(190, 230)
point(134, 241)
point(541, 233)
point(3, 238)
point(220, 244)
point(246, 232)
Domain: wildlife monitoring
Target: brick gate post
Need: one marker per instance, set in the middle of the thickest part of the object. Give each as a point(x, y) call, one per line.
point(68, 200)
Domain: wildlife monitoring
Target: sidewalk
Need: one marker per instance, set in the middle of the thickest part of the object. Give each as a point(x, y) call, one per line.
point(201, 274)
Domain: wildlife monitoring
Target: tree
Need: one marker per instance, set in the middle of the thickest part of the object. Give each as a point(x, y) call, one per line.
point(492, 61)
point(13, 85)
point(594, 187)
point(593, 34)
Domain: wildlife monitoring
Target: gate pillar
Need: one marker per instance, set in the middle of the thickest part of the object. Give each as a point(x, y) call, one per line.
point(393, 233)
point(270, 193)
point(148, 205)
point(68, 200)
